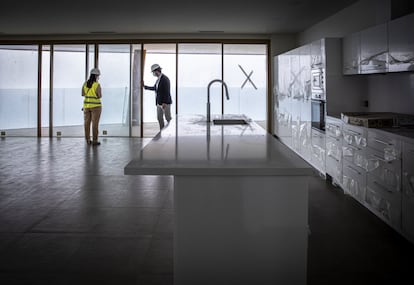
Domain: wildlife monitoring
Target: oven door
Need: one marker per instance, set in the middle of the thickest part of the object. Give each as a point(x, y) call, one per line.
point(318, 114)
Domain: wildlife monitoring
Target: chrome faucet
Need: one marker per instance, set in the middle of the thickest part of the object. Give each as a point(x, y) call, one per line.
point(208, 95)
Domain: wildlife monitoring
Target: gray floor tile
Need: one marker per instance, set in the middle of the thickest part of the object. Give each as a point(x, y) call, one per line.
point(116, 221)
point(68, 215)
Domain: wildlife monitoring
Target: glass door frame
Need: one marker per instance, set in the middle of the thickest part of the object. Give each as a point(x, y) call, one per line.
point(95, 44)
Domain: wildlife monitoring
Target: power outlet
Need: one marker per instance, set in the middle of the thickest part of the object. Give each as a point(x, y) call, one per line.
point(104, 132)
point(3, 133)
point(58, 134)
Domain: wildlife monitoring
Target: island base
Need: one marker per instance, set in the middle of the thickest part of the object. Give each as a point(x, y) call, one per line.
point(240, 229)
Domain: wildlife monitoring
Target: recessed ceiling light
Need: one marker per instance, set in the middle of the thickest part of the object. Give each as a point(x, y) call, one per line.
point(211, 32)
point(102, 32)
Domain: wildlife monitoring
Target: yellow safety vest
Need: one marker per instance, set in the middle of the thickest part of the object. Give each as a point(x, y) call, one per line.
point(91, 99)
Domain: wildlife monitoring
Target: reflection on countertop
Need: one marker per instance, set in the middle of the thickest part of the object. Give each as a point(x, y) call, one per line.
point(191, 146)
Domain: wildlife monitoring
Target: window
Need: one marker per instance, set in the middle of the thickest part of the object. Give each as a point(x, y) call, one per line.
point(18, 90)
point(69, 67)
point(114, 64)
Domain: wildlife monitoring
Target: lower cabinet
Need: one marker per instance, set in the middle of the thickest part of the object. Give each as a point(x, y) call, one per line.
point(408, 191)
point(334, 159)
point(318, 150)
point(354, 181)
point(384, 202)
point(334, 149)
point(378, 171)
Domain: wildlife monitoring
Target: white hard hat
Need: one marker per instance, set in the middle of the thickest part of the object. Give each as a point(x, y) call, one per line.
point(95, 71)
point(155, 67)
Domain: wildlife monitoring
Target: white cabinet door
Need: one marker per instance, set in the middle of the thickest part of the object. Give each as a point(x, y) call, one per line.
point(318, 54)
point(283, 104)
point(401, 44)
point(351, 52)
point(384, 203)
point(408, 191)
point(318, 150)
point(374, 49)
point(305, 105)
point(297, 96)
point(334, 149)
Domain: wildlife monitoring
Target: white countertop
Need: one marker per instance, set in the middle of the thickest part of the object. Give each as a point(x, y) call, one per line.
point(185, 148)
point(403, 133)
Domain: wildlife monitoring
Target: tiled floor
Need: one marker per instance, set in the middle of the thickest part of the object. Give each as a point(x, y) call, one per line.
point(68, 215)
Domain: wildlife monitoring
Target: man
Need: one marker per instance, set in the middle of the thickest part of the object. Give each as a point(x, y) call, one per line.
point(163, 95)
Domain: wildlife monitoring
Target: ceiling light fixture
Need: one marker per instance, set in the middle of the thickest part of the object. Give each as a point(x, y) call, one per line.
point(211, 32)
point(102, 32)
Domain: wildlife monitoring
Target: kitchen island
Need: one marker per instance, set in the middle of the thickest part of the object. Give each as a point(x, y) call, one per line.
point(240, 202)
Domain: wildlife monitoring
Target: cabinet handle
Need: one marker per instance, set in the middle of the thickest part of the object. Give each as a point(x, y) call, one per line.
point(354, 170)
point(382, 142)
point(353, 132)
point(353, 147)
point(380, 158)
point(382, 187)
point(409, 182)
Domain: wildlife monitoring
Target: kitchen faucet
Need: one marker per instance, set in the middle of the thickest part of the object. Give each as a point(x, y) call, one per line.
point(208, 95)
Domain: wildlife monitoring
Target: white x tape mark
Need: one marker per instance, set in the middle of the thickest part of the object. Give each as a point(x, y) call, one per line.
point(248, 78)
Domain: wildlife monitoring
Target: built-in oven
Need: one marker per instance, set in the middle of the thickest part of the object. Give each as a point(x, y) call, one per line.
point(318, 83)
point(318, 114)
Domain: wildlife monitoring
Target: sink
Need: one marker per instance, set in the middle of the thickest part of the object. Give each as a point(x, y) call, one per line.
point(230, 122)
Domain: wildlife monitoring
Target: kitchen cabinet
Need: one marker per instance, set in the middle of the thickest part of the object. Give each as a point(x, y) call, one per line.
point(305, 103)
point(318, 149)
point(383, 196)
point(401, 44)
point(351, 54)
point(386, 143)
point(385, 204)
point(292, 100)
point(407, 215)
point(317, 52)
point(374, 49)
point(354, 142)
point(296, 92)
point(283, 102)
point(334, 149)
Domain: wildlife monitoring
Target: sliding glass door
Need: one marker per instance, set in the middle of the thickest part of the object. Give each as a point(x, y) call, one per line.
point(128, 109)
point(165, 56)
point(198, 65)
point(114, 64)
point(18, 90)
point(69, 66)
point(245, 72)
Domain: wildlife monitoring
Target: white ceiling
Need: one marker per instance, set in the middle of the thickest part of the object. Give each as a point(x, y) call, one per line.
point(49, 17)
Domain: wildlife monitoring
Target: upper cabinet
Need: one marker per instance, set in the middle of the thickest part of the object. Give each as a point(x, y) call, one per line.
point(351, 54)
point(317, 51)
point(384, 48)
point(374, 50)
point(401, 44)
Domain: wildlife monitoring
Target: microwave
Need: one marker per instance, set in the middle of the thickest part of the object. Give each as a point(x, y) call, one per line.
point(318, 114)
point(318, 84)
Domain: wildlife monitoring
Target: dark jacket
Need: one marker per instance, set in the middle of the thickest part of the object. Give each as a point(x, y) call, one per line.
point(163, 91)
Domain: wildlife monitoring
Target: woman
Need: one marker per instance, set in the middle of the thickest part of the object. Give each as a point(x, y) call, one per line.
point(92, 106)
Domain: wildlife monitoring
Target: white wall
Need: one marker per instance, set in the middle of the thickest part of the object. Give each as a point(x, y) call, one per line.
point(359, 16)
point(391, 92)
